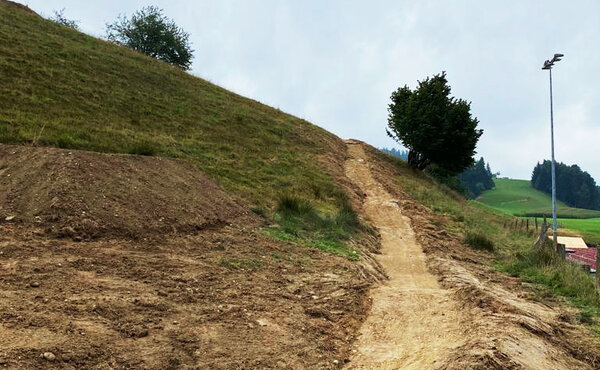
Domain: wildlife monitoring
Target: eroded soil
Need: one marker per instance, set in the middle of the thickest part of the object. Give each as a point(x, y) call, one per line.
point(498, 326)
point(168, 271)
point(413, 321)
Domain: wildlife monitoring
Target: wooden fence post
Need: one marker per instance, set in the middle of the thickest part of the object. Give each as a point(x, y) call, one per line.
point(561, 249)
point(597, 264)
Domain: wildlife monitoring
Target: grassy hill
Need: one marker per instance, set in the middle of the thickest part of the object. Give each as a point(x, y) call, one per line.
point(63, 88)
point(518, 198)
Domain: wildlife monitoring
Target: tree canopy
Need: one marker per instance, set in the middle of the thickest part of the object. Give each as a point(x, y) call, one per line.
point(436, 128)
point(150, 32)
point(573, 186)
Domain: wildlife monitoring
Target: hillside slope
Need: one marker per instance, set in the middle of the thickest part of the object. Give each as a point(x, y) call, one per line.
point(244, 242)
point(519, 198)
point(63, 88)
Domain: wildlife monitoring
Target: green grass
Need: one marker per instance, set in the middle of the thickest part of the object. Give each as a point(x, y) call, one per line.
point(65, 89)
point(519, 198)
point(589, 228)
point(237, 264)
point(299, 222)
point(482, 227)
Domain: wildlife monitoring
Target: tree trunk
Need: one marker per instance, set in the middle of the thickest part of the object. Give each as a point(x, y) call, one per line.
point(417, 161)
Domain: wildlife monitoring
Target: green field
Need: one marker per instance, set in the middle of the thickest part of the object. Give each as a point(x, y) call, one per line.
point(518, 198)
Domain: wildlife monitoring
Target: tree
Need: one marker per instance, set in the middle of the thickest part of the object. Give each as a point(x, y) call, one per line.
point(152, 33)
point(477, 178)
point(59, 17)
point(574, 186)
point(436, 128)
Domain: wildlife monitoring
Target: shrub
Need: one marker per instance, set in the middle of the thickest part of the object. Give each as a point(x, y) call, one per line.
point(479, 241)
point(292, 205)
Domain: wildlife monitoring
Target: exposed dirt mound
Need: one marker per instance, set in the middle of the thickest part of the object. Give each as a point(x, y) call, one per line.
point(90, 195)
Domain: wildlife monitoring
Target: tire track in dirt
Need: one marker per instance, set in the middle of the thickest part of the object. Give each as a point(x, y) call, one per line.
point(413, 323)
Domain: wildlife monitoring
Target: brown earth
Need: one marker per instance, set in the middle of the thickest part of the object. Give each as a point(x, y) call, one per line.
point(91, 195)
point(174, 272)
point(499, 326)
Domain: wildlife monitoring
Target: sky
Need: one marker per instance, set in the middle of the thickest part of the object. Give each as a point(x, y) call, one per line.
point(335, 63)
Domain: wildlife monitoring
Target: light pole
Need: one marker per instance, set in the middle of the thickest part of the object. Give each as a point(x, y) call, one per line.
point(548, 65)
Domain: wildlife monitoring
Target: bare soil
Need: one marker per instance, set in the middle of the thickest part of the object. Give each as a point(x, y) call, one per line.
point(133, 262)
point(500, 326)
point(174, 272)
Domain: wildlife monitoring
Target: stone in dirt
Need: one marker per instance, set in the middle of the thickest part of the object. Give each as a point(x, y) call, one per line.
point(49, 356)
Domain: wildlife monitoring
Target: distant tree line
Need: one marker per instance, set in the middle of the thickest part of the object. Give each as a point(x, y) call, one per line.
point(573, 186)
point(477, 178)
point(402, 154)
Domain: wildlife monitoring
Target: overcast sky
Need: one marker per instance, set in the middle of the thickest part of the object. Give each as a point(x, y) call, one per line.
point(335, 63)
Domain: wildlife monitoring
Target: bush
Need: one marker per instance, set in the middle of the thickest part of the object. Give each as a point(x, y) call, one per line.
point(298, 221)
point(291, 205)
point(479, 241)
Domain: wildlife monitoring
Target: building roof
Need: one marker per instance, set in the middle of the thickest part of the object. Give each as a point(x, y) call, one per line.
point(583, 256)
point(571, 242)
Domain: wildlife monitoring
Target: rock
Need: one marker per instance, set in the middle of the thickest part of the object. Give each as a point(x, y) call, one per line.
point(9, 218)
point(49, 356)
point(67, 231)
point(335, 362)
point(315, 297)
point(262, 322)
point(34, 284)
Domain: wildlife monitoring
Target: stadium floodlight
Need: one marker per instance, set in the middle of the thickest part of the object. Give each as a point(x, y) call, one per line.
point(548, 65)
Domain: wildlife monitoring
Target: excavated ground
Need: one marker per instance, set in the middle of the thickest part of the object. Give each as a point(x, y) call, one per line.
point(498, 327)
point(138, 262)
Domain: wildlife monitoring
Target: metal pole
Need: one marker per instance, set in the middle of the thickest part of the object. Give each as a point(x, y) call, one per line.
point(554, 223)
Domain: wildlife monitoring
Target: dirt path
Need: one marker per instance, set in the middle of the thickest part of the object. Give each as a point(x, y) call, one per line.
point(413, 321)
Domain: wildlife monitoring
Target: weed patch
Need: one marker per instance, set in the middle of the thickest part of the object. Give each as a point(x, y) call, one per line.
point(479, 241)
point(298, 221)
point(236, 264)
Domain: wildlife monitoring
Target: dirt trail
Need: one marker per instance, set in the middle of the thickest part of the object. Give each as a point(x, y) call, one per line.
point(443, 306)
point(413, 321)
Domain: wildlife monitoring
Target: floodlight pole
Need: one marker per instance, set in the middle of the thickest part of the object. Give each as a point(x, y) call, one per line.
point(548, 65)
point(554, 223)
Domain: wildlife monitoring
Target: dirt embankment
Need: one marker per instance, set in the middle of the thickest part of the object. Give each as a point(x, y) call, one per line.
point(162, 270)
point(501, 327)
point(88, 195)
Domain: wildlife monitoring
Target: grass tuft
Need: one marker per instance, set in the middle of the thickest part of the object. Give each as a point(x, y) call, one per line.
point(298, 221)
point(146, 148)
point(479, 241)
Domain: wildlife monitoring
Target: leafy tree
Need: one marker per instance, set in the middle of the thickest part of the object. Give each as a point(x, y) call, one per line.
point(59, 17)
point(436, 128)
point(150, 32)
